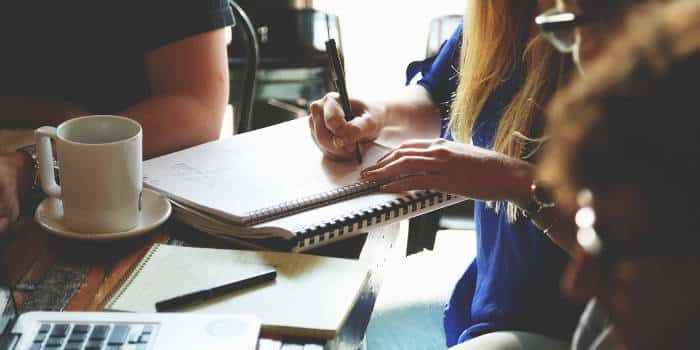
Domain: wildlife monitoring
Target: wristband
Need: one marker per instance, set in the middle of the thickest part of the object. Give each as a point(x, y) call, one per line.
point(540, 198)
point(36, 194)
point(30, 150)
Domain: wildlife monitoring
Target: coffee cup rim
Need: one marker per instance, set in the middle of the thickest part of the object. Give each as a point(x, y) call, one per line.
point(105, 116)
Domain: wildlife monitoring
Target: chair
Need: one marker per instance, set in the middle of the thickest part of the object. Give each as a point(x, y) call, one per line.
point(292, 64)
point(244, 109)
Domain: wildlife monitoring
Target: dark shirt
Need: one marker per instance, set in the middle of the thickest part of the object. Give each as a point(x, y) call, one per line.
point(513, 284)
point(92, 52)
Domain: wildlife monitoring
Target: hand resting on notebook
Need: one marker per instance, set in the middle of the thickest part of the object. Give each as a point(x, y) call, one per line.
point(452, 167)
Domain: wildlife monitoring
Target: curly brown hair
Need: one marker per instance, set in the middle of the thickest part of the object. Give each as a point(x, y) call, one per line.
point(634, 117)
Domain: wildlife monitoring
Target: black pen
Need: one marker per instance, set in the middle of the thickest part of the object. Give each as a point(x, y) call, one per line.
point(334, 57)
point(206, 294)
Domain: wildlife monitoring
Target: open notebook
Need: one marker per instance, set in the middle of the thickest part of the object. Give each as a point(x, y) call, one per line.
point(311, 296)
point(273, 187)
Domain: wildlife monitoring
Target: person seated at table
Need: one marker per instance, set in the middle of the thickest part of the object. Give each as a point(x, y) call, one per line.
point(624, 155)
point(162, 63)
point(511, 290)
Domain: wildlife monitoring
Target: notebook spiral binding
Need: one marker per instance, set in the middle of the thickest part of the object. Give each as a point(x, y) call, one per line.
point(365, 218)
point(313, 201)
point(131, 276)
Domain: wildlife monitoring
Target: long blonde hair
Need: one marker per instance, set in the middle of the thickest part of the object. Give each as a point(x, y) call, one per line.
point(502, 43)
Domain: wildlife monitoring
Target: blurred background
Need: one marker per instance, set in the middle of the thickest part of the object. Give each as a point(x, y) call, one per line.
point(381, 37)
point(377, 39)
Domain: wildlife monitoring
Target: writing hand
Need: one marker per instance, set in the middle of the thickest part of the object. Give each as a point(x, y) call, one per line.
point(451, 167)
point(336, 137)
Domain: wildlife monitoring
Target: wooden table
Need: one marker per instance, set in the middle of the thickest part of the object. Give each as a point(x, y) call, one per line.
point(51, 273)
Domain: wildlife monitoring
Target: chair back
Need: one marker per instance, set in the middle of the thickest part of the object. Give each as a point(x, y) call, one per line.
point(243, 116)
point(441, 28)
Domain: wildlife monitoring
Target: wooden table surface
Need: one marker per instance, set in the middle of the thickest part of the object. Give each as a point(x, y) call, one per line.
point(51, 273)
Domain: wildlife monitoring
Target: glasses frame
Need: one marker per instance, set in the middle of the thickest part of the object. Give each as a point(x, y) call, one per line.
point(554, 21)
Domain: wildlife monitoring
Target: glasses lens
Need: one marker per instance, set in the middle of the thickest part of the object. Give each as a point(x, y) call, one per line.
point(559, 29)
point(566, 39)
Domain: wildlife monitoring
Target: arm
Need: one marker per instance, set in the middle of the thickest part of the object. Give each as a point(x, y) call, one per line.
point(189, 84)
point(189, 91)
point(469, 171)
point(409, 114)
point(412, 114)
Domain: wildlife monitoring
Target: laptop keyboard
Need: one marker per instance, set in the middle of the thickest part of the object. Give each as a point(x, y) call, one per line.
point(84, 336)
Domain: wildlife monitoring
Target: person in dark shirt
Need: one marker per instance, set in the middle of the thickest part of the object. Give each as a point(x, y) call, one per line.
point(161, 63)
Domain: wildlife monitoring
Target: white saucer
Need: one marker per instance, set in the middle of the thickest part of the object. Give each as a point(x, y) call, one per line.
point(156, 209)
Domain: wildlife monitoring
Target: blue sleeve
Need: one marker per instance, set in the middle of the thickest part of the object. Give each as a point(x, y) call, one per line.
point(440, 74)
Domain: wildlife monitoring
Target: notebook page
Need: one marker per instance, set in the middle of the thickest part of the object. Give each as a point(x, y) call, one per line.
point(263, 168)
point(167, 271)
point(311, 295)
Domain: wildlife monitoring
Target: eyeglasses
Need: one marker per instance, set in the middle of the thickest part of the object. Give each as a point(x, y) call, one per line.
point(559, 28)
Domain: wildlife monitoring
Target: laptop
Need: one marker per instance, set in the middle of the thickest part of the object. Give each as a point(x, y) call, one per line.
point(128, 331)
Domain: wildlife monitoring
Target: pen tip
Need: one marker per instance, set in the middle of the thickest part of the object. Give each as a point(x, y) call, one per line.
point(358, 155)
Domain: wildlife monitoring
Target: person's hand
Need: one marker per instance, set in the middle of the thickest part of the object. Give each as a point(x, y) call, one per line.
point(451, 167)
point(336, 137)
point(14, 180)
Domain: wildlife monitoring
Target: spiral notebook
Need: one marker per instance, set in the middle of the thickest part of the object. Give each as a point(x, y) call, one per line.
point(273, 188)
point(292, 305)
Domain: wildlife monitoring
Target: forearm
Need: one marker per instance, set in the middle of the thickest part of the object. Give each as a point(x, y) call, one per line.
point(172, 122)
point(33, 112)
point(189, 83)
point(410, 114)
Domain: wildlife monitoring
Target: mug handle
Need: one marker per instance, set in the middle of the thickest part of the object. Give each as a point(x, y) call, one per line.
point(43, 137)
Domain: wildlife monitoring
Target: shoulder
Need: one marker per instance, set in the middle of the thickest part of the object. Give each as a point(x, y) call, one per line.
point(177, 20)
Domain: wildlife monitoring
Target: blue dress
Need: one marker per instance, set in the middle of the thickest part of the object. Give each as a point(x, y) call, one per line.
point(513, 283)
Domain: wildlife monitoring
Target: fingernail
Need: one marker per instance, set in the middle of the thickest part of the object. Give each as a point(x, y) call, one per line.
point(338, 142)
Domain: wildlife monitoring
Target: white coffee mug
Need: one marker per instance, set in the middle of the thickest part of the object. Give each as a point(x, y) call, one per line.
point(100, 161)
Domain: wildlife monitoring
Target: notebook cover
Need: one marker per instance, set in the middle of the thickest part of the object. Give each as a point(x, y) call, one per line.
point(311, 296)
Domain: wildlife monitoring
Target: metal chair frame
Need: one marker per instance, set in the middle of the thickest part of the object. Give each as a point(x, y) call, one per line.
point(244, 110)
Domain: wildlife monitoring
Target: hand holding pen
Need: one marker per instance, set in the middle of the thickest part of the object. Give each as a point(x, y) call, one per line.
point(340, 85)
point(336, 137)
